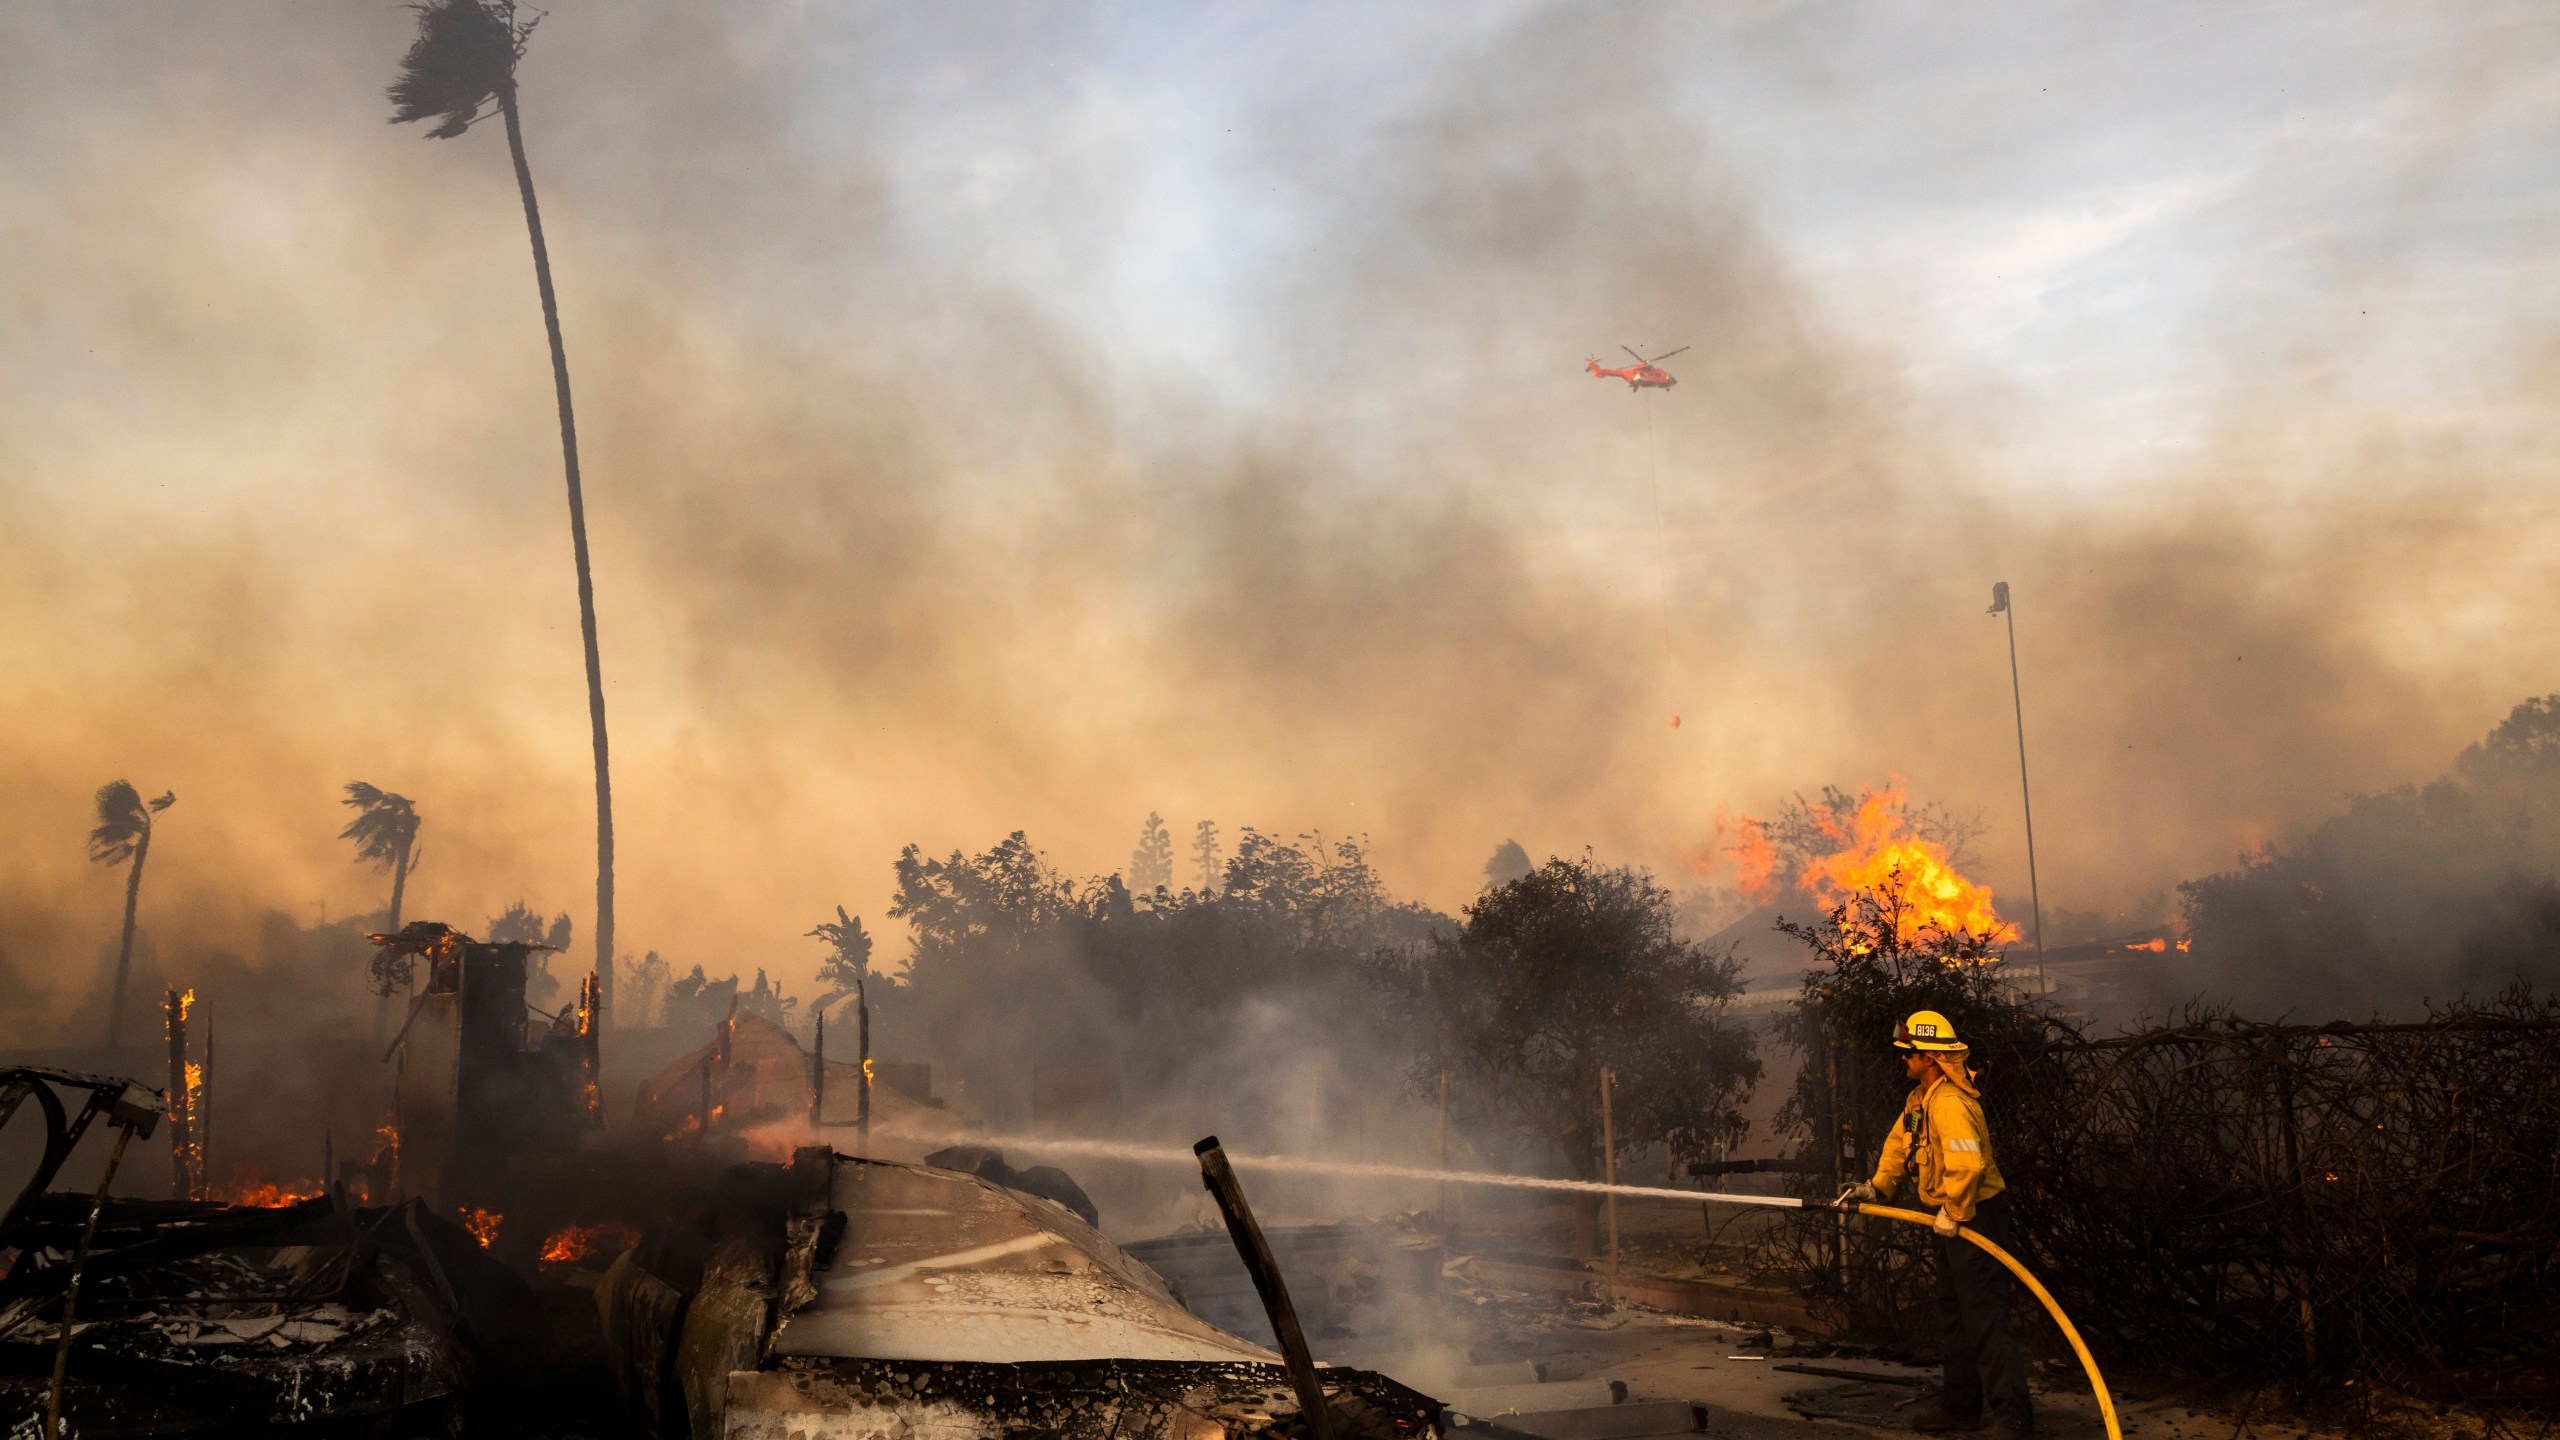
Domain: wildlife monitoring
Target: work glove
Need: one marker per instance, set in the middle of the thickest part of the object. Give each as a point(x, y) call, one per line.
point(1945, 1224)
point(1864, 1190)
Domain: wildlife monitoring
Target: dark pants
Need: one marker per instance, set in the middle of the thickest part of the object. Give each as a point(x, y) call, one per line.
point(1973, 1321)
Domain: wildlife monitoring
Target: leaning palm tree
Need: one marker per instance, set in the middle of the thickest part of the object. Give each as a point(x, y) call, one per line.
point(386, 834)
point(124, 833)
point(460, 70)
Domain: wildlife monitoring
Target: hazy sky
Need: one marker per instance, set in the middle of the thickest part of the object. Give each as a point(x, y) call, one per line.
point(1031, 416)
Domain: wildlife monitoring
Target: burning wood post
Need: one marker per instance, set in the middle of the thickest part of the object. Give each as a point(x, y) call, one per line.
point(591, 1049)
point(1220, 1177)
point(186, 1156)
point(862, 1034)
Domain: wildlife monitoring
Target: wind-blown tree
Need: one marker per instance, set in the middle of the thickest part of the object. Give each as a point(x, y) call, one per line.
point(123, 834)
point(462, 64)
point(386, 834)
point(847, 968)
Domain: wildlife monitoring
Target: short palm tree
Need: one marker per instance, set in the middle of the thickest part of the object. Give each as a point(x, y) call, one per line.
point(386, 834)
point(123, 834)
point(463, 64)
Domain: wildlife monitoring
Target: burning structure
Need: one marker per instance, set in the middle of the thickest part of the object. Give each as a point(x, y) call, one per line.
point(482, 1103)
point(177, 1317)
point(204, 1319)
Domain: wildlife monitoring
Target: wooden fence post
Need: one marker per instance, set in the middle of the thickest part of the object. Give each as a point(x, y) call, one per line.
point(1609, 1172)
point(2303, 1266)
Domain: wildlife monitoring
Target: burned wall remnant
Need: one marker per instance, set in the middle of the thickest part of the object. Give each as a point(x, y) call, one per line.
point(482, 1098)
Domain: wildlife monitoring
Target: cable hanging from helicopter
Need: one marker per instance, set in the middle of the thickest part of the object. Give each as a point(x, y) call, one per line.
point(1641, 376)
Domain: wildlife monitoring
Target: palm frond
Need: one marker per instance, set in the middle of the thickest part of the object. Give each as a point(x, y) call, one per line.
point(385, 825)
point(122, 822)
point(465, 55)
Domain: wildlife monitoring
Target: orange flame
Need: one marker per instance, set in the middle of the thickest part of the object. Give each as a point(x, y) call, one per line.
point(265, 1195)
point(573, 1243)
point(1755, 860)
point(2155, 946)
point(1881, 855)
point(483, 1225)
point(186, 1108)
point(866, 1069)
point(1874, 852)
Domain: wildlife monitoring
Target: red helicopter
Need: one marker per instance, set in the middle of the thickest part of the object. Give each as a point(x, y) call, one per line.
point(1644, 374)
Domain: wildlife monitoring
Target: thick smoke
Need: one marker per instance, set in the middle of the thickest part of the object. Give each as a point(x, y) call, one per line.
point(901, 538)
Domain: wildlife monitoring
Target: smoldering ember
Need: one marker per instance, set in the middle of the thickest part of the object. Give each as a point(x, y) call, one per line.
point(1278, 723)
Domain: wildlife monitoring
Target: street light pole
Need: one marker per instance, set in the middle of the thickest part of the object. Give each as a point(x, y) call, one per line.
point(2000, 606)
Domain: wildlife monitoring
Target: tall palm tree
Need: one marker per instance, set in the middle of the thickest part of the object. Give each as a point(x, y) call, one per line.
point(462, 63)
point(124, 833)
point(386, 834)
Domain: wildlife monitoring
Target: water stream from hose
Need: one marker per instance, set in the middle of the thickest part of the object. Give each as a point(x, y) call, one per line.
point(1181, 1155)
point(1184, 1156)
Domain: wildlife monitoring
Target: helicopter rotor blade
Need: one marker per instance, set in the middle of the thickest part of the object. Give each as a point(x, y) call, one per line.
point(1665, 355)
point(1630, 349)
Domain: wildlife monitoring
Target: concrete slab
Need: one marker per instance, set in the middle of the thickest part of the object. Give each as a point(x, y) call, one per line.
point(1640, 1420)
point(1491, 1401)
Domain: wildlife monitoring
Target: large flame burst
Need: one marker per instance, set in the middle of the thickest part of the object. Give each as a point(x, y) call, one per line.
point(1874, 853)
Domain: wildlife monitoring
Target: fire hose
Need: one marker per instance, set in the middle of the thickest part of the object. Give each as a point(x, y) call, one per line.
point(1209, 1147)
point(2070, 1332)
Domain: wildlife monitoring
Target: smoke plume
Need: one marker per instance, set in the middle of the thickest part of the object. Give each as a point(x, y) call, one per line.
point(952, 470)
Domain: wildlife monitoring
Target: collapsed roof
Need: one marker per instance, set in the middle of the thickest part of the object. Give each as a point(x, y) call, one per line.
point(847, 1297)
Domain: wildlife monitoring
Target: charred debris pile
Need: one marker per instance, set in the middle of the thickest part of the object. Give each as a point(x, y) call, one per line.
point(501, 1268)
point(208, 1319)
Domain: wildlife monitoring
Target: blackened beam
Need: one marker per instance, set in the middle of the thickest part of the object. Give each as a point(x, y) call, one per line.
point(1220, 1177)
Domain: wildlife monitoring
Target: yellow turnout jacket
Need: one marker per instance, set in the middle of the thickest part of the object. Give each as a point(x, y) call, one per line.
point(1944, 1141)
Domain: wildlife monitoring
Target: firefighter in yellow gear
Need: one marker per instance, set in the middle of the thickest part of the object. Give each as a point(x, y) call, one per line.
point(1942, 1145)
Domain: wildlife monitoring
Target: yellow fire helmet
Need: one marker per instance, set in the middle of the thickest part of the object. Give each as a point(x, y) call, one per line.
point(1926, 1030)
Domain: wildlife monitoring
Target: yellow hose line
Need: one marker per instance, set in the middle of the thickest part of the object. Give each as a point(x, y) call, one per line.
point(2070, 1332)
